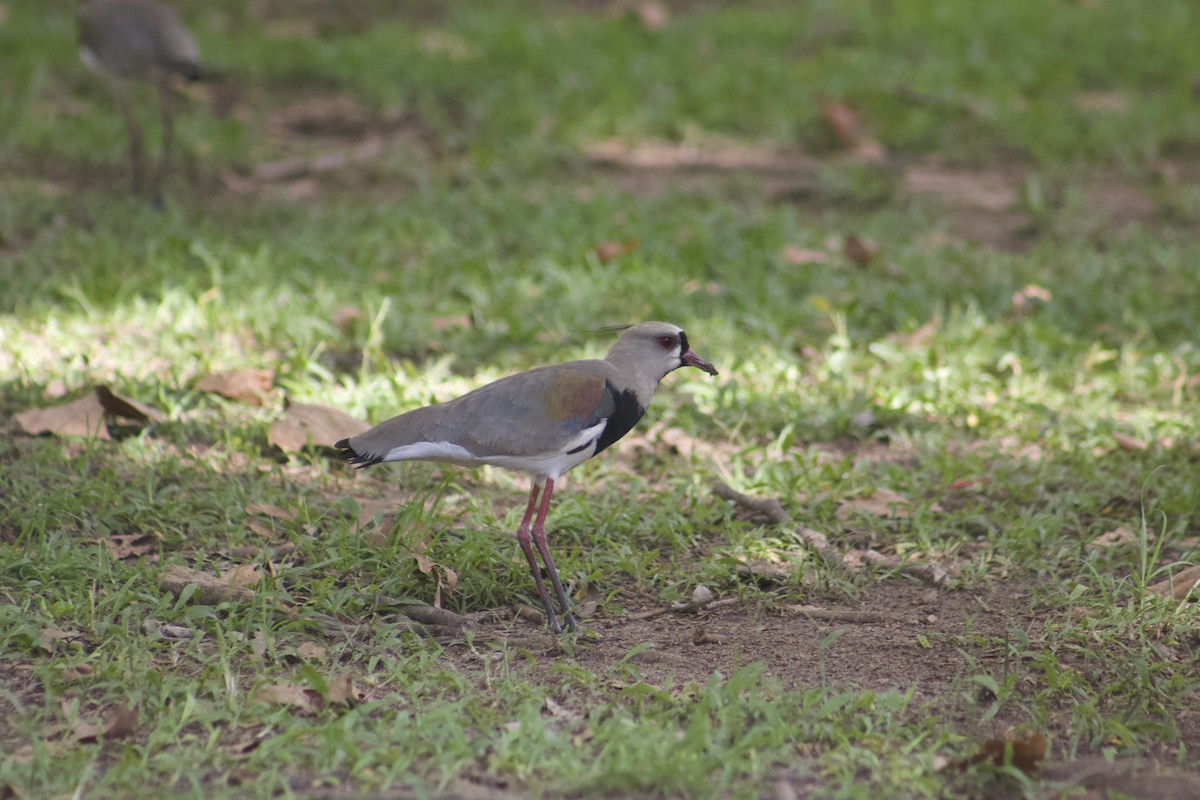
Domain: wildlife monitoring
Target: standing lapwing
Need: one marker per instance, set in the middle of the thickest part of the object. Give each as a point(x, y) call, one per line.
point(542, 422)
point(138, 40)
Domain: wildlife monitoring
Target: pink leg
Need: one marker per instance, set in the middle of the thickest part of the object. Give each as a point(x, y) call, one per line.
point(539, 538)
point(525, 540)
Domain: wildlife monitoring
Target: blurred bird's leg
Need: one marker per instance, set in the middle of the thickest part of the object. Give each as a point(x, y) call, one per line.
point(136, 155)
point(539, 538)
point(168, 137)
point(525, 541)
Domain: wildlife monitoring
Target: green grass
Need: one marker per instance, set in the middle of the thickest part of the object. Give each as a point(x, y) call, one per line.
point(914, 373)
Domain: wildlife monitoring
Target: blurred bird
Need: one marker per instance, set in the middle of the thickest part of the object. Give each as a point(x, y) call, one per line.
point(138, 40)
point(542, 422)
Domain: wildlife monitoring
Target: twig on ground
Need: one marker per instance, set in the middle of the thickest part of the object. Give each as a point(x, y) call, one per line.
point(210, 590)
point(1179, 585)
point(649, 614)
point(768, 507)
point(844, 615)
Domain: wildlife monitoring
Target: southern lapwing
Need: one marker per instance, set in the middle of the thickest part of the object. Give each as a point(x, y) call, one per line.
point(126, 41)
point(542, 422)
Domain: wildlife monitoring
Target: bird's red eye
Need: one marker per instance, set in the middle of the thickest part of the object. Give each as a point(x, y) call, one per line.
point(666, 342)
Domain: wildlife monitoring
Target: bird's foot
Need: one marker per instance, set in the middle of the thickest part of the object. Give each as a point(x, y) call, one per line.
point(567, 625)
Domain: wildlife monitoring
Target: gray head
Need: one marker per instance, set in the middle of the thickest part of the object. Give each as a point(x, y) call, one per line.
point(648, 351)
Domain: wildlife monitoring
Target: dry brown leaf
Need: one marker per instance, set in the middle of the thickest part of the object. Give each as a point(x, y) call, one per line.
point(450, 322)
point(311, 651)
point(343, 690)
point(304, 424)
point(261, 529)
point(83, 417)
point(1127, 442)
point(1179, 585)
point(77, 673)
point(121, 406)
point(797, 256)
point(843, 122)
point(883, 502)
point(653, 14)
point(1114, 538)
point(48, 637)
point(269, 510)
point(1115, 103)
point(122, 723)
point(443, 575)
point(248, 385)
point(609, 250)
point(1025, 750)
point(131, 545)
point(244, 576)
point(1027, 298)
point(291, 695)
point(860, 251)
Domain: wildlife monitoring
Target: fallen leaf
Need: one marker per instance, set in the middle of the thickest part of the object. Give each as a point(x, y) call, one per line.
point(843, 122)
point(49, 636)
point(261, 529)
point(345, 316)
point(609, 250)
point(122, 723)
point(153, 627)
point(131, 545)
point(1127, 442)
point(443, 575)
point(1113, 538)
point(248, 385)
point(653, 15)
point(303, 425)
point(1023, 300)
point(1115, 103)
point(244, 576)
point(77, 673)
point(121, 406)
point(269, 510)
point(451, 45)
point(311, 651)
point(450, 322)
point(558, 711)
point(797, 256)
point(82, 417)
point(883, 502)
point(1023, 751)
point(859, 251)
point(342, 690)
point(291, 695)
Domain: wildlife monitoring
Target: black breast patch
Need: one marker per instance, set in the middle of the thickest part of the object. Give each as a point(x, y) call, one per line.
point(625, 415)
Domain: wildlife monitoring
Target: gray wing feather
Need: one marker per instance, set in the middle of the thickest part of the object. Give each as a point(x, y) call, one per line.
point(510, 416)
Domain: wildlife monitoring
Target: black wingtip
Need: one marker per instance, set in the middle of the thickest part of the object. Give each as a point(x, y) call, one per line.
point(358, 460)
point(193, 71)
